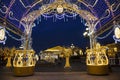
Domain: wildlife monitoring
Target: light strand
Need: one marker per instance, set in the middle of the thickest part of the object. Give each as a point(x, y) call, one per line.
point(116, 8)
point(106, 35)
point(12, 17)
point(95, 3)
point(116, 39)
point(5, 11)
point(30, 6)
point(13, 37)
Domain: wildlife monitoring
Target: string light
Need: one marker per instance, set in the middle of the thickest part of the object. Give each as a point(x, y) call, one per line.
point(13, 37)
point(103, 37)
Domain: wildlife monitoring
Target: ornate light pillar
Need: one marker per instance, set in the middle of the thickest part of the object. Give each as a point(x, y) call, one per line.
point(97, 61)
point(27, 41)
point(25, 60)
point(91, 32)
point(67, 54)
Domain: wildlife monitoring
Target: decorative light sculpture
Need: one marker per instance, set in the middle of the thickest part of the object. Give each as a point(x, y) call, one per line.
point(97, 61)
point(116, 35)
point(24, 62)
point(2, 35)
point(60, 9)
point(98, 56)
point(117, 32)
point(67, 53)
point(58, 6)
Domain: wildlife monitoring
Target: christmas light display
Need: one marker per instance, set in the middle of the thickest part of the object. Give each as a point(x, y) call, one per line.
point(2, 35)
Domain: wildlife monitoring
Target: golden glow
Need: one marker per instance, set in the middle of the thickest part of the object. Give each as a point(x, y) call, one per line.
point(97, 56)
point(59, 5)
point(67, 53)
point(24, 58)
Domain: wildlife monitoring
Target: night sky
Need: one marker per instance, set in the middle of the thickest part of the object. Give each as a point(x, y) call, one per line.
point(49, 34)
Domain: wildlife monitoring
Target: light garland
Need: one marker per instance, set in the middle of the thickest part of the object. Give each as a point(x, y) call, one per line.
point(105, 35)
point(117, 7)
point(14, 37)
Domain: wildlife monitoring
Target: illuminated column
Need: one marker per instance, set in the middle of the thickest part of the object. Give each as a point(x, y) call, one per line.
point(67, 54)
point(27, 41)
point(91, 26)
point(67, 63)
point(8, 62)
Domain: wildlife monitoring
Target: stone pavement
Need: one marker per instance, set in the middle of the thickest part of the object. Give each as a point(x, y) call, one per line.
point(60, 76)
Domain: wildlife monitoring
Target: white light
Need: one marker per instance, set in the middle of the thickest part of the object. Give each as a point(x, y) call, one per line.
point(60, 9)
point(85, 33)
point(117, 32)
point(87, 29)
point(2, 34)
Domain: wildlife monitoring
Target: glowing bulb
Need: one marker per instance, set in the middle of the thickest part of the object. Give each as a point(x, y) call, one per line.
point(85, 33)
point(87, 29)
point(117, 33)
point(2, 34)
point(60, 9)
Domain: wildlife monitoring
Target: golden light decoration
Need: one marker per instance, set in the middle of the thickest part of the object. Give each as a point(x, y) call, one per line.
point(97, 56)
point(24, 58)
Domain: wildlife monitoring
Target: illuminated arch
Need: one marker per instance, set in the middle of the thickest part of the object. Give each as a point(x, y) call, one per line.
point(28, 20)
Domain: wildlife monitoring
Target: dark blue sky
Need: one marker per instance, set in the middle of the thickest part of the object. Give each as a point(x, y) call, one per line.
point(49, 34)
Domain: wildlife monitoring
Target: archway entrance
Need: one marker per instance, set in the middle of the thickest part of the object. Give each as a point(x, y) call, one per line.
point(59, 33)
point(57, 7)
